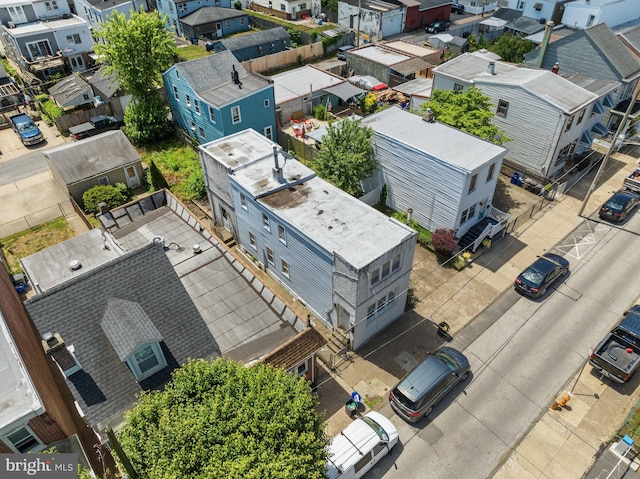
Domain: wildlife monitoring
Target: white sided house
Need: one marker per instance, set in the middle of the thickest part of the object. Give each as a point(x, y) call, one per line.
point(447, 177)
point(346, 262)
point(538, 148)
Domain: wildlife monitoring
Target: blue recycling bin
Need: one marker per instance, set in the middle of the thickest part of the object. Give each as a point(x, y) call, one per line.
point(517, 179)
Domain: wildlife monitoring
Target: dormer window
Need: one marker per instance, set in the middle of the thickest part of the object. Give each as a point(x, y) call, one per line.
point(146, 360)
point(134, 337)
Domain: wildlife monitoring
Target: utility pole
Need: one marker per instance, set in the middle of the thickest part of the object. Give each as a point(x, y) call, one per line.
point(358, 28)
point(621, 128)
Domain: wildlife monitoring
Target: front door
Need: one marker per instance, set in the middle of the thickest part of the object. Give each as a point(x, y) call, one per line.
point(77, 63)
point(132, 177)
point(219, 29)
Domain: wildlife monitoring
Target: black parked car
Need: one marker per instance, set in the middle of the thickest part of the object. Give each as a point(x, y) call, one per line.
point(535, 280)
point(439, 26)
point(457, 8)
point(618, 207)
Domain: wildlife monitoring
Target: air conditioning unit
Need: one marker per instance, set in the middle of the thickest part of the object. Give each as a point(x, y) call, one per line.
point(11, 25)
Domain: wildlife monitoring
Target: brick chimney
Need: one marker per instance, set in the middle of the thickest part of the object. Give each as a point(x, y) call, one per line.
point(62, 355)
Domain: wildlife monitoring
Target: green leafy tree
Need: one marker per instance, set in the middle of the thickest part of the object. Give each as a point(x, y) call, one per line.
point(511, 48)
point(113, 196)
point(222, 419)
point(346, 155)
point(295, 36)
point(331, 5)
point(368, 103)
point(136, 51)
point(470, 111)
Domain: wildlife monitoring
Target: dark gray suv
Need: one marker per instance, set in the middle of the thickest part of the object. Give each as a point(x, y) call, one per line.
point(416, 394)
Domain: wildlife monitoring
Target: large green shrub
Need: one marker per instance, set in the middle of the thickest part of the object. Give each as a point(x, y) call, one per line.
point(320, 112)
point(368, 103)
point(113, 196)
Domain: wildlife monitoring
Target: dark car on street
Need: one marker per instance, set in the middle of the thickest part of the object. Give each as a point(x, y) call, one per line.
point(619, 206)
point(457, 8)
point(439, 26)
point(536, 279)
point(421, 389)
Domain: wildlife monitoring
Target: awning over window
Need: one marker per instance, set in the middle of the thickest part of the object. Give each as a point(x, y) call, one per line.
point(599, 129)
point(344, 91)
point(598, 108)
point(586, 138)
point(608, 101)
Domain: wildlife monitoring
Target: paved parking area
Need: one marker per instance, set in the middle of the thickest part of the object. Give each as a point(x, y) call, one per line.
point(11, 147)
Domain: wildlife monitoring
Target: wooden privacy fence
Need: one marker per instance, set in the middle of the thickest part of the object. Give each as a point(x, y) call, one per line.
point(280, 59)
point(71, 119)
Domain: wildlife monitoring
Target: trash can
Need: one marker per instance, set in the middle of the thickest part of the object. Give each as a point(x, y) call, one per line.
point(351, 407)
point(517, 179)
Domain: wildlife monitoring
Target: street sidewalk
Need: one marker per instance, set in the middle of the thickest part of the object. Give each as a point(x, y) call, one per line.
point(564, 443)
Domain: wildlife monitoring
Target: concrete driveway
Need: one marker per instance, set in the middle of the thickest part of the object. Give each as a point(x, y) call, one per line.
point(27, 201)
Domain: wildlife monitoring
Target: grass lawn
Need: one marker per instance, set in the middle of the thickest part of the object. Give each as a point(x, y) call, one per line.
point(287, 25)
point(179, 165)
point(21, 245)
point(192, 52)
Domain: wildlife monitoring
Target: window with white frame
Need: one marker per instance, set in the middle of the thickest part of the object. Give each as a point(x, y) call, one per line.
point(51, 5)
point(395, 265)
point(23, 440)
point(386, 269)
point(252, 241)
point(193, 127)
point(283, 7)
point(302, 369)
point(188, 98)
point(375, 276)
point(227, 23)
point(590, 20)
point(457, 88)
point(569, 123)
point(103, 181)
point(380, 305)
point(212, 114)
point(201, 132)
point(235, 115)
point(175, 93)
point(468, 214)
point(503, 107)
point(268, 132)
point(243, 201)
point(196, 105)
point(284, 267)
point(265, 222)
point(266, 103)
point(41, 48)
point(492, 167)
point(565, 153)
point(241, 20)
point(302, 6)
point(182, 7)
point(581, 116)
point(270, 259)
point(146, 361)
point(74, 39)
point(282, 234)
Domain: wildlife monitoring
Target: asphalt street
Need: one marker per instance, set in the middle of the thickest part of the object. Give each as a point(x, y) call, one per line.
point(522, 353)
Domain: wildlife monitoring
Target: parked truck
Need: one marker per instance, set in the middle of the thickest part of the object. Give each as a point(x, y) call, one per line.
point(26, 128)
point(618, 354)
point(95, 125)
point(632, 182)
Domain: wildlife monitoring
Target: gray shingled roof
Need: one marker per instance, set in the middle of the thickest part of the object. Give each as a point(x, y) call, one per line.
point(105, 387)
point(632, 37)
point(68, 87)
point(97, 155)
point(595, 51)
point(257, 38)
point(211, 14)
point(210, 78)
point(127, 326)
point(106, 84)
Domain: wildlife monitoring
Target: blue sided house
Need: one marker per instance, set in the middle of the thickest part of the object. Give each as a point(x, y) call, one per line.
point(175, 10)
point(213, 97)
point(345, 261)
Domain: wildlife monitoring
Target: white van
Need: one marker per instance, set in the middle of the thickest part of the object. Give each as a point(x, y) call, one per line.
point(360, 446)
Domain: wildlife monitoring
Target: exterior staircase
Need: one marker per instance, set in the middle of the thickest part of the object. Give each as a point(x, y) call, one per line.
point(473, 234)
point(337, 348)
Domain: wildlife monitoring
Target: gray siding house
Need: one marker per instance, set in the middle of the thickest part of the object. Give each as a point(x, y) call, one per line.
point(348, 263)
point(447, 177)
point(539, 148)
point(593, 52)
